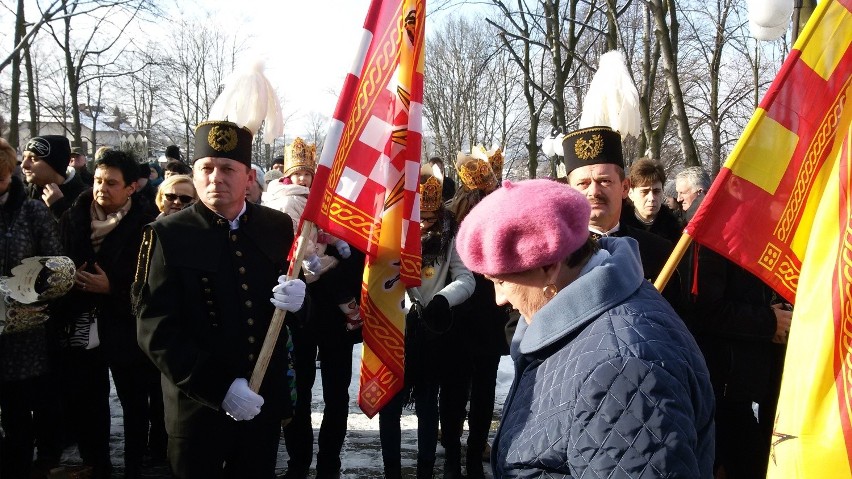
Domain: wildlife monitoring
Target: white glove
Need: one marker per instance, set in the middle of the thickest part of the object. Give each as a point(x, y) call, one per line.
point(312, 264)
point(241, 403)
point(343, 249)
point(288, 294)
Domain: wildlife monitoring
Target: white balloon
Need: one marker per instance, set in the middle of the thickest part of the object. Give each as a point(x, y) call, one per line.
point(557, 145)
point(767, 33)
point(547, 146)
point(769, 13)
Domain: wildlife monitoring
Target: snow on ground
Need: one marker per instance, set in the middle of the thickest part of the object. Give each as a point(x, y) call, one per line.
point(361, 455)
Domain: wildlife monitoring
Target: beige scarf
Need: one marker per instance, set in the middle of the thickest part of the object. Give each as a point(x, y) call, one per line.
point(103, 223)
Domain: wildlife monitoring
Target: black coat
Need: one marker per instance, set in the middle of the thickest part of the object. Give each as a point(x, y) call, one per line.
point(666, 224)
point(655, 251)
point(117, 256)
point(731, 318)
point(202, 299)
point(71, 190)
point(483, 321)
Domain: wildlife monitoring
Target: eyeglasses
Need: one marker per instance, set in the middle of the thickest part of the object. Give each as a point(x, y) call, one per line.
point(174, 196)
point(428, 219)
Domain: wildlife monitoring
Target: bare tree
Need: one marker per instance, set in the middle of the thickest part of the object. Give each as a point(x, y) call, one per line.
point(201, 58)
point(95, 56)
point(667, 29)
point(316, 124)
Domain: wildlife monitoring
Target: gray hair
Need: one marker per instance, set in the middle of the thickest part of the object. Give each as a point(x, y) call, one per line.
point(695, 176)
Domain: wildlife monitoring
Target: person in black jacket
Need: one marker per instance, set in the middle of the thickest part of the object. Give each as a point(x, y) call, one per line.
point(645, 209)
point(46, 169)
point(482, 322)
point(741, 326)
point(202, 296)
point(102, 232)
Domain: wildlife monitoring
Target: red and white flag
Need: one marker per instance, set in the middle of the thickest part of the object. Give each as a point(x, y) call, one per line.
point(366, 186)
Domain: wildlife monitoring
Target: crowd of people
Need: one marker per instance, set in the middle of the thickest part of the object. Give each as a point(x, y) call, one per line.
point(177, 284)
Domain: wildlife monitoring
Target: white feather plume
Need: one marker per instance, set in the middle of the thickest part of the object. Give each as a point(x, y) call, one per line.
point(612, 99)
point(248, 100)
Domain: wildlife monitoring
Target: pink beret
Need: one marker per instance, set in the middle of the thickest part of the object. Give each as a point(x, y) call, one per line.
point(522, 226)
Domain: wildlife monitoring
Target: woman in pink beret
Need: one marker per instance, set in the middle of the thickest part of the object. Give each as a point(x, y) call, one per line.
point(608, 381)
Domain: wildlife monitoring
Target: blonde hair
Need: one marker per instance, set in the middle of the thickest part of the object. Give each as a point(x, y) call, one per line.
point(8, 158)
point(169, 182)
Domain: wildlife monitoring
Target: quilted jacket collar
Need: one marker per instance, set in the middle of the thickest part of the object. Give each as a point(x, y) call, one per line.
point(594, 292)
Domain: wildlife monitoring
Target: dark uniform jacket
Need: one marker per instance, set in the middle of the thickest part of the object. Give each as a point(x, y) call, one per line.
point(654, 251)
point(202, 297)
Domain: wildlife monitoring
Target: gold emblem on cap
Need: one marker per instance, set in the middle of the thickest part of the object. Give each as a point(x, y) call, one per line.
point(589, 149)
point(222, 138)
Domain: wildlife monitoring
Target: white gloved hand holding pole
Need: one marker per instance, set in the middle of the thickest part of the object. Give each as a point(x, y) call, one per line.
point(288, 295)
point(343, 248)
point(241, 403)
point(312, 264)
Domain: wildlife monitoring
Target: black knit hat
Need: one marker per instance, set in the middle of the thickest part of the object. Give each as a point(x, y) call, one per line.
point(223, 139)
point(592, 146)
point(55, 150)
point(173, 152)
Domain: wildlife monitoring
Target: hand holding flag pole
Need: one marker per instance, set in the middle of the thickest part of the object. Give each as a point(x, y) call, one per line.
point(278, 318)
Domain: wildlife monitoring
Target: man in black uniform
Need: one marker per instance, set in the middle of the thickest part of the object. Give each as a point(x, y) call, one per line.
point(202, 295)
point(595, 166)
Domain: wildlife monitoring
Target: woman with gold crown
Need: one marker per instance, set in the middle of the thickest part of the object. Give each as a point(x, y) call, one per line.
point(483, 320)
point(431, 356)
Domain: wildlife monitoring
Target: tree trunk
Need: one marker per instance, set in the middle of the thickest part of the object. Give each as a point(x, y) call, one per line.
point(32, 93)
point(20, 29)
point(667, 37)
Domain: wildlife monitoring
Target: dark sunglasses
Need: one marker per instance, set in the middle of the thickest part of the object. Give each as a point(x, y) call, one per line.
point(183, 198)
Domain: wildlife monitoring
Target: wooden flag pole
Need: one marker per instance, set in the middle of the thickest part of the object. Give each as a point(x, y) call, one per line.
point(669, 268)
point(278, 318)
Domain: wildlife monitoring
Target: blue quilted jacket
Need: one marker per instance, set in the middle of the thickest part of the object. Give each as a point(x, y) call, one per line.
point(608, 383)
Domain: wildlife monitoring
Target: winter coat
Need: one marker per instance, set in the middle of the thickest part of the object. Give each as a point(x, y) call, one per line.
point(117, 256)
point(70, 188)
point(26, 229)
point(733, 322)
point(202, 296)
point(608, 383)
point(665, 224)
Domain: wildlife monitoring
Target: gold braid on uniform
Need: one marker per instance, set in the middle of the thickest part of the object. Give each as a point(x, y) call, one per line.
point(143, 264)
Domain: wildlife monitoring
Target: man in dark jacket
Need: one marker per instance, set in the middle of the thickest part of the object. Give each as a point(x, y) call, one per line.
point(202, 294)
point(646, 209)
point(595, 166)
point(46, 168)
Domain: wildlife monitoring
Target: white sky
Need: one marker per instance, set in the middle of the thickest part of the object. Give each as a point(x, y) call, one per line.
point(308, 46)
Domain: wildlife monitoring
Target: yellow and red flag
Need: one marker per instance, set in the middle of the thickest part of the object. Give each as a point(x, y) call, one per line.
point(781, 208)
point(365, 188)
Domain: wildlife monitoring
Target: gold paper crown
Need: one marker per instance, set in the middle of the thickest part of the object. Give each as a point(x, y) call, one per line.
point(431, 188)
point(495, 157)
point(476, 170)
point(299, 156)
